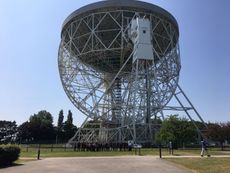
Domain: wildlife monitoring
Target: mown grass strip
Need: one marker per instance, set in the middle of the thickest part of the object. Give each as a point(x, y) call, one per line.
point(204, 165)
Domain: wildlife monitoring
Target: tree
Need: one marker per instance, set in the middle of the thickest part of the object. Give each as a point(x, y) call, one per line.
point(60, 120)
point(166, 132)
point(227, 130)
point(24, 133)
point(69, 120)
point(43, 117)
point(38, 128)
point(178, 130)
point(59, 129)
point(69, 128)
point(8, 131)
point(218, 132)
point(156, 121)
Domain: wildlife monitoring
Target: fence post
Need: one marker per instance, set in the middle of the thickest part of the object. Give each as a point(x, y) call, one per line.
point(160, 154)
point(38, 156)
point(52, 148)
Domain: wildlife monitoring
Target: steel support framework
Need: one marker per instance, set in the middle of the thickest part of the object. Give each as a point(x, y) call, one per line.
point(98, 76)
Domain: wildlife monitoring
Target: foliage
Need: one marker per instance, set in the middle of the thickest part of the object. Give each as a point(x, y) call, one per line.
point(219, 132)
point(60, 120)
point(156, 121)
point(24, 132)
point(69, 121)
point(178, 130)
point(42, 117)
point(39, 127)
point(227, 131)
point(8, 131)
point(8, 154)
point(59, 129)
point(68, 127)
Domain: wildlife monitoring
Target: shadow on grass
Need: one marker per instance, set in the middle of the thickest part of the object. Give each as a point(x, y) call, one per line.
point(176, 155)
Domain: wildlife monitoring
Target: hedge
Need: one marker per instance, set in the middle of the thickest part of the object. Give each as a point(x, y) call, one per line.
point(8, 154)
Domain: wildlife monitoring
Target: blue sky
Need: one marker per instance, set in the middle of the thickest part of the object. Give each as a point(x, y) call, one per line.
point(30, 36)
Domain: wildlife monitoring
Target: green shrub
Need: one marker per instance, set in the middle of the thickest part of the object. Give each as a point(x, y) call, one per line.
point(8, 154)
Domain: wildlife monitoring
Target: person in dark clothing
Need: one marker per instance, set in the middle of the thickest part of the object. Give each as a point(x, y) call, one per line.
point(204, 149)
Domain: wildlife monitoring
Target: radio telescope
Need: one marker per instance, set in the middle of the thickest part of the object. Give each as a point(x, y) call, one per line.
point(119, 64)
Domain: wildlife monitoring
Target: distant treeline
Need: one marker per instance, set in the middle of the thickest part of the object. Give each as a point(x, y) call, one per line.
point(38, 128)
point(180, 131)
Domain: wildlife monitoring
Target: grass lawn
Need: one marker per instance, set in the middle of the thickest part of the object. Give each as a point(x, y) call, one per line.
point(204, 165)
point(32, 152)
point(47, 151)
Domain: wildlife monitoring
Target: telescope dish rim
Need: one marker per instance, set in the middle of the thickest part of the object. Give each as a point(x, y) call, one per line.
point(121, 4)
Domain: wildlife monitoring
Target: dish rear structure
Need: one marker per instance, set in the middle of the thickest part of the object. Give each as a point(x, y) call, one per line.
point(119, 64)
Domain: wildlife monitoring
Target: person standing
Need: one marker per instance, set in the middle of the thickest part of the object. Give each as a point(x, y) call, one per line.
point(170, 148)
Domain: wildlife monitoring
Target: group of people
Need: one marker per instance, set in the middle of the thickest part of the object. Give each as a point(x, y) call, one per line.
point(101, 147)
point(127, 147)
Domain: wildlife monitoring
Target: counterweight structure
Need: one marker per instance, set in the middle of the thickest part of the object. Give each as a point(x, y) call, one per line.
point(119, 64)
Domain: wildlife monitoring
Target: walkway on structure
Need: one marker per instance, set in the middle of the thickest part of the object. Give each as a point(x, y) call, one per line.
point(126, 164)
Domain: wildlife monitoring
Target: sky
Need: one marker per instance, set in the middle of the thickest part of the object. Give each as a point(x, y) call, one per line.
point(30, 36)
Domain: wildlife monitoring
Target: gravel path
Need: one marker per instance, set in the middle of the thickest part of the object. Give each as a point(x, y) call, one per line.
point(122, 164)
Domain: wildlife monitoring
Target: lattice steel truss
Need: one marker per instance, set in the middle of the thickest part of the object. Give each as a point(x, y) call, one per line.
point(97, 73)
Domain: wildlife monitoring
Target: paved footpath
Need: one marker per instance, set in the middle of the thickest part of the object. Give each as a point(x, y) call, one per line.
point(122, 164)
